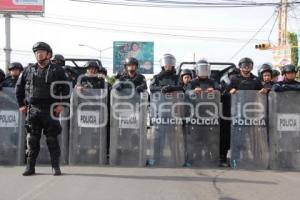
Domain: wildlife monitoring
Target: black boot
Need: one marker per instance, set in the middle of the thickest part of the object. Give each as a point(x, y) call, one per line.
point(55, 165)
point(57, 171)
point(54, 151)
point(30, 167)
point(56, 168)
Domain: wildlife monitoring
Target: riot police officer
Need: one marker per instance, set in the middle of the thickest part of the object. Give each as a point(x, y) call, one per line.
point(245, 80)
point(167, 80)
point(265, 75)
point(289, 83)
point(186, 76)
point(15, 69)
point(2, 76)
point(202, 82)
point(92, 79)
point(130, 74)
point(34, 96)
point(275, 75)
point(59, 60)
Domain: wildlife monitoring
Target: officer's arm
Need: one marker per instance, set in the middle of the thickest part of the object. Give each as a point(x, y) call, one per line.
point(63, 89)
point(177, 86)
point(287, 87)
point(20, 89)
point(144, 83)
point(189, 89)
point(154, 87)
point(231, 85)
point(277, 87)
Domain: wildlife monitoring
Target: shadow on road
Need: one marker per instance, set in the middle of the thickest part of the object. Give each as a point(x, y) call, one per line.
point(170, 178)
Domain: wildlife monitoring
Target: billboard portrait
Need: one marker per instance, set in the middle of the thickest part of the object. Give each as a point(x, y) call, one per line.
point(142, 51)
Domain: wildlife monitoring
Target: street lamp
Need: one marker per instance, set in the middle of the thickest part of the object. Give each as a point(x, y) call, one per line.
point(95, 49)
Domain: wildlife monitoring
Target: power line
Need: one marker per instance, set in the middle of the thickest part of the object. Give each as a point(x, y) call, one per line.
point(258, 31)
point(273, 26)
point(185, 4)
point(151, 26)
point(210, 38)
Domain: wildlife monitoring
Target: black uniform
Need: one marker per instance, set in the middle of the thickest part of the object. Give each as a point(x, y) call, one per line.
point(285, 85)
point(204, 84)
point(9, 82)
point(33, 89)
point(2, 76)
point(92, 82)
point(165, 81)
point(268, 85)
point(138, 80)
point(239, 82)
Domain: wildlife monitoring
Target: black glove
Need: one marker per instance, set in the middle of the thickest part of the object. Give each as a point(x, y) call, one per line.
point(140, 89)
point(119, 87)
point(166, 89)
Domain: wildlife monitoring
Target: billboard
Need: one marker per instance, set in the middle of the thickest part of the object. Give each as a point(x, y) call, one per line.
point(22, 6)
point(142, 51)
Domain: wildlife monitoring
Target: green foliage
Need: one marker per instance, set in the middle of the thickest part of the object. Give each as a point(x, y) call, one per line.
point(293, 41)
point(111, 79)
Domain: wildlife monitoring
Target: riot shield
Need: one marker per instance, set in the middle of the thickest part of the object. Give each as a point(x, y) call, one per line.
point(166, 138)
point(63, 139)
point(284, 130)
point(88, 127)
point(202, 129)
point(128, 127)
point(249, 136)
point(12, 133)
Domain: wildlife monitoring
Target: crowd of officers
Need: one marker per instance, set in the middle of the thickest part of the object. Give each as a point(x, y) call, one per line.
point(33, 90)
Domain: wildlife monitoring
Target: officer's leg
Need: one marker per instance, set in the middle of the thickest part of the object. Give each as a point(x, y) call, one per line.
point(33, 149)
point(33, 130)
point(51, 131)
point(225, 132)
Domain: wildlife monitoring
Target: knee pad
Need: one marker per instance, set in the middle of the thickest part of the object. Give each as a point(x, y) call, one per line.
point(33, 141)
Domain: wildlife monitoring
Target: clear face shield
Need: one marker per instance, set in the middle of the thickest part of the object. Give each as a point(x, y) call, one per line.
point(246, 65)
point(168, 60)
point(203, 70)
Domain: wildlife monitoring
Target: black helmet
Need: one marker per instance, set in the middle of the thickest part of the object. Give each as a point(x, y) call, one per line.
point(93, 64)
point(102, 70)
point(59, 59)
point(266, 67)
point(288, 68)
point(275, 72)
point(186, 72)
point(42, 46)
point(246, 62)
point(131, 61)
point(15, 65)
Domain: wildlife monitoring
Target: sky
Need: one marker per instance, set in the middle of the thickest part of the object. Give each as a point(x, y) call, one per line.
point(214, 34)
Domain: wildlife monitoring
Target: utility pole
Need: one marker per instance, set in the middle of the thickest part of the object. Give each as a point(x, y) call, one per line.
point(282, 23)
point(7, 48)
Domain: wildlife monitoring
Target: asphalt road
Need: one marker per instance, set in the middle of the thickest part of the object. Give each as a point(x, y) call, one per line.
point(107, 183)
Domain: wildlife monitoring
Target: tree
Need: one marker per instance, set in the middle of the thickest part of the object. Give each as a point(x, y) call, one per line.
point(293, 41)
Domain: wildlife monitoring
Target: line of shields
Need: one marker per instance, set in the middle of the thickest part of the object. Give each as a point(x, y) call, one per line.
point(126, 128)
